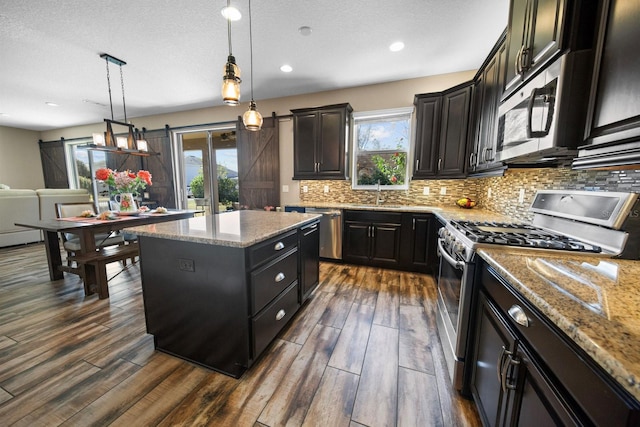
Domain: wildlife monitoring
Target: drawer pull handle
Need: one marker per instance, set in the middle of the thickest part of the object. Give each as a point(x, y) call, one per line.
point(279, 277)
point(517, 313)
point(279, 246)
point(280, 314)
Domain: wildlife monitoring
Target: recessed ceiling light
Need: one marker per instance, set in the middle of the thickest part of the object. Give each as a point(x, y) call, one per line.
point(286, 68)
point(4, 115)
point(231, 13)
point(52, 104)
point(396, 47)
point(305, 31)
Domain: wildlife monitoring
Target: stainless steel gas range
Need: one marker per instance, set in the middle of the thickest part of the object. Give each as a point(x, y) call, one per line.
point(585, 222)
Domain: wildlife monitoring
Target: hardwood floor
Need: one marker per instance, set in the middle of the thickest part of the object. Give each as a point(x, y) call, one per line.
point(362, 352)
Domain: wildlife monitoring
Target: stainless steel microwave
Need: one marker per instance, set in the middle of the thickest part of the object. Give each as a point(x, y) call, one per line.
point(544, 120)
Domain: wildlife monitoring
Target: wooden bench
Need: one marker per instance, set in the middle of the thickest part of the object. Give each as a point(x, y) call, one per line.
point(98, 261)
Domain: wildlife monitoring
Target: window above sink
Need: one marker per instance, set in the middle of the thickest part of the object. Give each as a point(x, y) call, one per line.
point(381, 147)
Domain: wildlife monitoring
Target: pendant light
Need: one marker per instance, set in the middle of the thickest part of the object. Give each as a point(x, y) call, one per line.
point(252, 119)
point(231, 77)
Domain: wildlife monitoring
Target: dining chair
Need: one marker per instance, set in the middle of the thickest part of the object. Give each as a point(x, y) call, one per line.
point(70, 241)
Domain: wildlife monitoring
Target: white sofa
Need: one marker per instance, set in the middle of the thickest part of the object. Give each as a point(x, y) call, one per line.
point(31, 205)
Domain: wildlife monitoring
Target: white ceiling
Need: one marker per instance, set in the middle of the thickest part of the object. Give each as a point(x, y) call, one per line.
point(175, 51)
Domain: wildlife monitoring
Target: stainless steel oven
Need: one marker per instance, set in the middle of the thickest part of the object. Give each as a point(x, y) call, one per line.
point(454, 285)
point(588, 222)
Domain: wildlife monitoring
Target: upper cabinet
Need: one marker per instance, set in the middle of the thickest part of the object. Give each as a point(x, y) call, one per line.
point(534, 36)
point(613, 122)
point(488, 91)
point(320, 137)
point(539, 30)
point(441, 133)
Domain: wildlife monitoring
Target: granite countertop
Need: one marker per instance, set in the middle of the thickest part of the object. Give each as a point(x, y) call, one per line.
point(594, 300)
point(238, 229)
point(444, 212)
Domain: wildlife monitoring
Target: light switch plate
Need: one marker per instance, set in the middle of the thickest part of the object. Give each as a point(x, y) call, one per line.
point(521, 196)
point(425, 191)
point(305, 189)
point(285, 188)
point(489, 193)
point(326, 188)
point(443, 191)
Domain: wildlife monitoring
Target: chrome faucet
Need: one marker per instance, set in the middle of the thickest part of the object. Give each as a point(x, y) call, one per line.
point(379, 199)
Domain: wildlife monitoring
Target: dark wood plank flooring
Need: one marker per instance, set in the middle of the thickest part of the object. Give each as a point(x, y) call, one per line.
point(362, 352)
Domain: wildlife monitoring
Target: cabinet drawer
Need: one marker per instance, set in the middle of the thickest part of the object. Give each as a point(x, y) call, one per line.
point(273, 278)
point(371, 216)
point(273, 318)
point(266, 251)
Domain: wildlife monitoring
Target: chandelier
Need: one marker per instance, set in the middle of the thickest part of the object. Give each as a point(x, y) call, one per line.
point(134, 143)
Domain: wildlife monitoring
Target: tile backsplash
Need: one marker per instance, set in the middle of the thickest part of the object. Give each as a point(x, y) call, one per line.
point(497, 194)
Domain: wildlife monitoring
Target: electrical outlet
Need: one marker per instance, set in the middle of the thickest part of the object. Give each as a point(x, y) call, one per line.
point(489, 193)
point(145, 195)
point(521, 196)
point(425, 191)
point(285, 188)
point(305, 189)
point(186, 265)
point(443, 191)
point(326, 188)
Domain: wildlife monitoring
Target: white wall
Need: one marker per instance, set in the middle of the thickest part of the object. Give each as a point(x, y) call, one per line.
point(363, 98)
point(20, 164)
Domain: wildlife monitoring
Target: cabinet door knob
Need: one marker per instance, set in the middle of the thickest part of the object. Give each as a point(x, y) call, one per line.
point(280, 277)
point(439, 164)
point(280, 314)
point(279, 246)
point(517, 313)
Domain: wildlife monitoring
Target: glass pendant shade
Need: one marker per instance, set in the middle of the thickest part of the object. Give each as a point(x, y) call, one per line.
point(230, 91)
point(252, 119)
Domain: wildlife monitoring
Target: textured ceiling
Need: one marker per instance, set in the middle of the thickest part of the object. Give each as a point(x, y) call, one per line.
point(175, 51)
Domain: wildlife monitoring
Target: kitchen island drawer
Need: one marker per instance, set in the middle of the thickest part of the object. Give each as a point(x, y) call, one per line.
point(273, 318)
point(268, 281)
point(266, 251)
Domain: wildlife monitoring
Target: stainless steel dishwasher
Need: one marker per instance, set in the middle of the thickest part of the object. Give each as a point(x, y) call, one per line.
point(330, 232)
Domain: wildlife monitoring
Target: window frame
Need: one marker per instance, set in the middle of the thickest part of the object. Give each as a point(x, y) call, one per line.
point(382, 114)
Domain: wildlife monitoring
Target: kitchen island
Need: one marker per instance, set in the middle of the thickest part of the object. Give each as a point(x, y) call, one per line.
point(217, 289)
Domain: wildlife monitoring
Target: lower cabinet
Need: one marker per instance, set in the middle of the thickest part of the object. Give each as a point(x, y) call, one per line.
point(404, 241)
point(372, 238)
point(528, 373)
point(507, 384)
point(309, 247)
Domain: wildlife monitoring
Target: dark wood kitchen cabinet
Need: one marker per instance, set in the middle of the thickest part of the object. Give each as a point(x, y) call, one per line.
point(539, 31)
point(372, 238)
point(613, 122)
point(422, 237)
point(528, 372)
point(441, 132)
point(489, 82)
point(507, 385)
point(309, 247)
point(320, 142)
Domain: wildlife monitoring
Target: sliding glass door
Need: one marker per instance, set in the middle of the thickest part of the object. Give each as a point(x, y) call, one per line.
point(207, 165)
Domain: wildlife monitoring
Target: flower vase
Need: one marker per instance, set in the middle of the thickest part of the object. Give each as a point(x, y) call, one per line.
point(126, 202)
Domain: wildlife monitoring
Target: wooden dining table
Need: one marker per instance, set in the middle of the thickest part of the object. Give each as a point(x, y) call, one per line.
point(86, 229)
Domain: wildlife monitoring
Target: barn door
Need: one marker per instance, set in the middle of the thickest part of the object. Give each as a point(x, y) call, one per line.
point(54, 167)
point(259, 165)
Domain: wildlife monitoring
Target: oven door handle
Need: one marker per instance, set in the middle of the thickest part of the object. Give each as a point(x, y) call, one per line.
point(455, 263)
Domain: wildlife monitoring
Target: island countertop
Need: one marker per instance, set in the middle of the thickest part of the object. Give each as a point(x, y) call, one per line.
point(238, 229)
point(595, 301)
